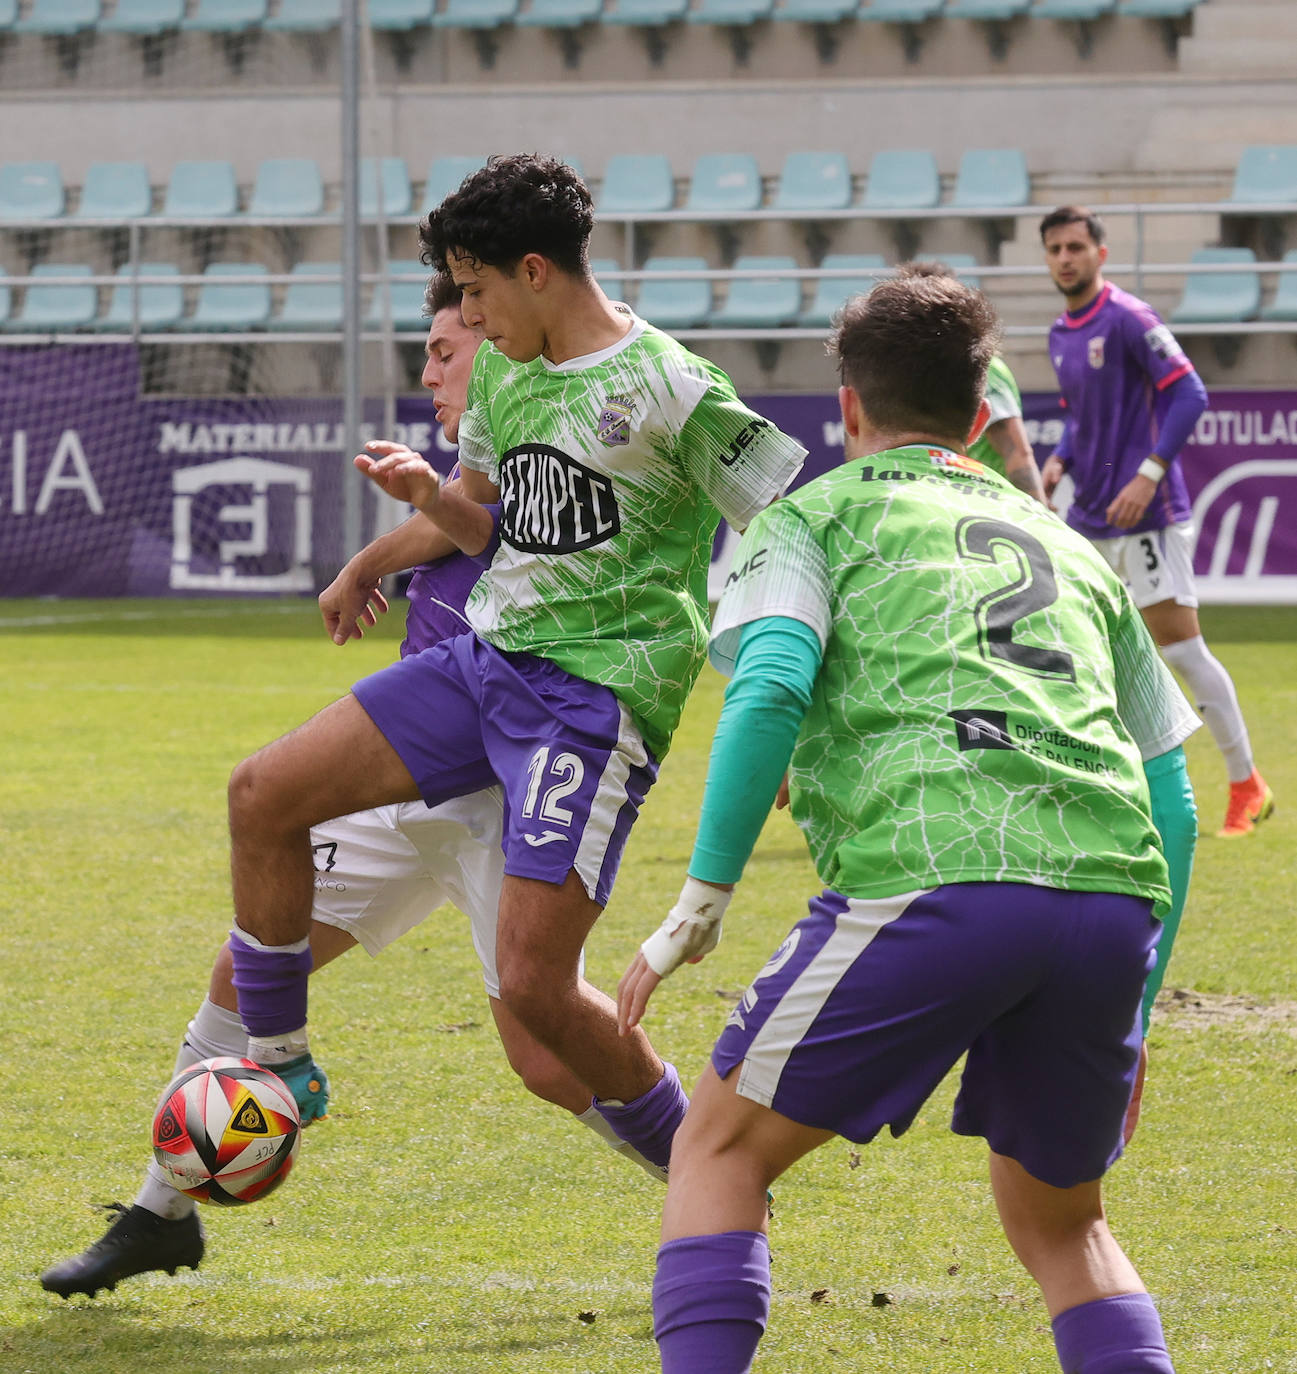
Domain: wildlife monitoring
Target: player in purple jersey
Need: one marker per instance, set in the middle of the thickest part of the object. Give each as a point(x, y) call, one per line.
point(1132, 399)
point(378, 873)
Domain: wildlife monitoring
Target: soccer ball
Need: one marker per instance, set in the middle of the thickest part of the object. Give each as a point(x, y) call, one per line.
point(226, 1131)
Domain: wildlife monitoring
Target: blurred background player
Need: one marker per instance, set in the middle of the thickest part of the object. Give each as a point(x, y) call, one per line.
point(378, 873)
point(1003, 445)
point(1132, 400)
point(966, 692)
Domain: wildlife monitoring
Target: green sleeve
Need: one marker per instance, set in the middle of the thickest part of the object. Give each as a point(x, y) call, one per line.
point(1176, 819)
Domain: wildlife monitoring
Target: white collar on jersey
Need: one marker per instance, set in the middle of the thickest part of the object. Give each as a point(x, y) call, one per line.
point(590, 359)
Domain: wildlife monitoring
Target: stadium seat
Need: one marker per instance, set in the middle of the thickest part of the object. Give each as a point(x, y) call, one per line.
point(1219, 297)
point(161, 306)
point(465, 14)
point(227, 16)
point(830, 292)
point(559, 14)
point(989, 11)
point(305, 16)
point(53, 307)
point(311, 305)
point(761, 302)
point(201, 190)
point(900, 11)
point(8, 14)
point(903, 179)
point(731, 11)
point(634, 183)
point(58, 18)
point(384, 181)
point(406, 297)
point(231, 305)
point(1284, 305)
point(1266, 175)
point(646, 13)
point(670, 302)
point(287, 187)
point(115, 190)
point(444, 176)
point(1080, 11)
point(991, 178)
point(1158, 9)
point(144, 17)
point(814, 181)
point(816, 11)
point(724, 181)
point(963, 265)
point(31, 190)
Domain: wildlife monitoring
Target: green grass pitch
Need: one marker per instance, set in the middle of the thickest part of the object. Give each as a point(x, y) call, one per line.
point(440, 1220)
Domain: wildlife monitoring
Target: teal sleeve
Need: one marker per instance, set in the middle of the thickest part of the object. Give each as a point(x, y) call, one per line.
point(1176, 818)
point(775, 668)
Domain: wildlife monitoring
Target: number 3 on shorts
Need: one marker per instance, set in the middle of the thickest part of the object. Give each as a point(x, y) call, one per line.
point(565, 773)
point(1150, 553)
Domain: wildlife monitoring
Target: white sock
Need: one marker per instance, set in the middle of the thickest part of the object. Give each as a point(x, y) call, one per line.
point(213, 1031)
point(590, 1117)
point(1213, 693)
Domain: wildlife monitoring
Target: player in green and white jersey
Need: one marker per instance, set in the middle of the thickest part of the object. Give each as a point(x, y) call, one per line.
point(606, 453)
point(1003, 445)
point(972, 716)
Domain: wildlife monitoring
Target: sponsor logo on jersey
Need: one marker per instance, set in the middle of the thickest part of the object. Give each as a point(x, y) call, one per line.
point(550, 503)
point(613, 428)
point(748, 567)
point(1094, 351)
point(743, 441)
point(1162, 342)
point(982, 730)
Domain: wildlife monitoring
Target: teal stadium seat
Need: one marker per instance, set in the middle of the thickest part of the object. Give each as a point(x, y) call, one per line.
point(736, 12)
point(814, 181)
point(1219, 297)
point(646, 13)
point(671, 302)
point(310, 305)
point(469, 14)
point(816, 11)
point(559, 14)
point(1080, 11)
point(831, 292)
point(201, 190)
point(227, 16)
point(1284, 306)
point(305, 16)
point(58, 18)
point(287, 188)
point(761, 302)
point(725, 181)
point(1266, 175)
point(903, 179)
point(901, 11)
point(8, 15)
point(161, 306)
point(406, 297)
point(963, 265)
point(991, 178)
point(31, 190)
point(49, 307)
point(116, 191)
point(144, 17)
point(1158, 9)
point(444, 176)
point(989, 11)
point(385, 184)
point(636, 183)
point(224, 305)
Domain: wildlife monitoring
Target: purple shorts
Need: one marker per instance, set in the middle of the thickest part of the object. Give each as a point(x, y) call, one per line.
point(867, 1005)
point(571, 761)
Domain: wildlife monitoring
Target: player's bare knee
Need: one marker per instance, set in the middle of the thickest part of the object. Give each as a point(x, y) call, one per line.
point(258, 803)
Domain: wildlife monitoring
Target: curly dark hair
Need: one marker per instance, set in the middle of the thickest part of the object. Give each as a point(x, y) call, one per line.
point(518, 203)
point(916, 350)
point(440, 294)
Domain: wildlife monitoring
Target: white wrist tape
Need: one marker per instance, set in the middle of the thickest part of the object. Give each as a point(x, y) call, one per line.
point(1152, 469)
point(692, 928)
point(277, 1049)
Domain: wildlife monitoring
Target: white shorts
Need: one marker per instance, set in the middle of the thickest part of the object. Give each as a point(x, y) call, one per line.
point(1156, 566)
point(379, 873)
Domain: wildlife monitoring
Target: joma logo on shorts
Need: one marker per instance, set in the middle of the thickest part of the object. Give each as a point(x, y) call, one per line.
point(550, 503)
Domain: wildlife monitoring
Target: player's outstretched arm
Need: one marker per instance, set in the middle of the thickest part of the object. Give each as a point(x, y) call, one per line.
point(1009, 439)
point(407, 476)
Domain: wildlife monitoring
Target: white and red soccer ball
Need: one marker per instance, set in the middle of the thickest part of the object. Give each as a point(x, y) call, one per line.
point(226, 1131)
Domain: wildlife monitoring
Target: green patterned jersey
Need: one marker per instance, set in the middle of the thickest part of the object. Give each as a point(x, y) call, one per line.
point(987, 686)
point(1006, 403)
point(612, 468)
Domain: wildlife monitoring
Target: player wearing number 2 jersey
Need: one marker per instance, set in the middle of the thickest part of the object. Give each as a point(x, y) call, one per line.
point(1132, 399)
point(968, 705)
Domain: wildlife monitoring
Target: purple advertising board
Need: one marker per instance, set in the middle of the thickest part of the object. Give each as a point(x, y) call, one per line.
point(104, 492)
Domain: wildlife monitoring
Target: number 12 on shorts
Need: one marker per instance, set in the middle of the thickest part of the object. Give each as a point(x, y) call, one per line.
point(549, 780)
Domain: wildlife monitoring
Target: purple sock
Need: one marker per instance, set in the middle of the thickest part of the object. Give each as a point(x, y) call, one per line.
point(711, 1298)
point(650, 1122)
point(271, 983)
point(1121, 1335)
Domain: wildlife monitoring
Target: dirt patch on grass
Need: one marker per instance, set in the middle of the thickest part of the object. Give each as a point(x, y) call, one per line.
point(1184, 1007)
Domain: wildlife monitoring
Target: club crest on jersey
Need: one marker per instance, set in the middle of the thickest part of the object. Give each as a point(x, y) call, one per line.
point(613, 428)
point(944, 458)
point(550, 503)
point(1094, 352)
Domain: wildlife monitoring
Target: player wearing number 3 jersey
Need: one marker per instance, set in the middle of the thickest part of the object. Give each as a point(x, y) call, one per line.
point(966, 701)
